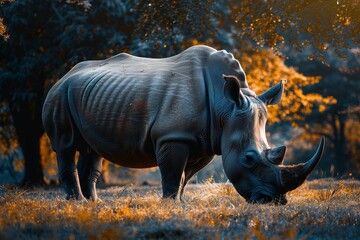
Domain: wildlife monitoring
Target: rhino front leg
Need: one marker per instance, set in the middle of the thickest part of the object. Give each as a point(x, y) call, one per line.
point(69, 177)
point(89, 168)
point(172, 158)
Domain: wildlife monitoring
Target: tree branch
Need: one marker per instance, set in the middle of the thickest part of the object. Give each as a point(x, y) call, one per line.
point(60, 17)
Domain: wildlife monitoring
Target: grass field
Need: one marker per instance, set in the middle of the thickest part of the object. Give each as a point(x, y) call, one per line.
point(319, 209)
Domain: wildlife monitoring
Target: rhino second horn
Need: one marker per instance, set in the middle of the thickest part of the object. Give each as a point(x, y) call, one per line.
point(293, 176)
point(276, 155)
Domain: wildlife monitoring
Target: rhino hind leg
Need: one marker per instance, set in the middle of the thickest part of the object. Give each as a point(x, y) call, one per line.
point(89, 167)
point(69, 177)
point(172, 158)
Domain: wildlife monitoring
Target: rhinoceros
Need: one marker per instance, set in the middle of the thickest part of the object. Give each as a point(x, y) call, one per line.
point(176, 113)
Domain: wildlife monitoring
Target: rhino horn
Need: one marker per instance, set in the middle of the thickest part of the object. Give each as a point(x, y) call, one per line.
point(293, 176)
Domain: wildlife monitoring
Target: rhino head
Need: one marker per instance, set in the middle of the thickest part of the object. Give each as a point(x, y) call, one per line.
point(255, 169)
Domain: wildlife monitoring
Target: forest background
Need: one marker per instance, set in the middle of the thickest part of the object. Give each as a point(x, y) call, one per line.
point(312, 44)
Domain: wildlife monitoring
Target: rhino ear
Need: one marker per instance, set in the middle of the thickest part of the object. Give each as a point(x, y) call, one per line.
point(232, 90)
point(274, 94)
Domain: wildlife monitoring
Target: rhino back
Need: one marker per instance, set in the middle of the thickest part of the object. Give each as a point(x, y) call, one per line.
point(125, 106)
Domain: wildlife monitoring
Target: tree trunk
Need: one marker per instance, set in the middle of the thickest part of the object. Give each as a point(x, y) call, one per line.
point(27, 121)
point(340, 154)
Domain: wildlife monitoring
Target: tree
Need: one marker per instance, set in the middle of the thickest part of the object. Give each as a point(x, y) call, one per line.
point(267, 23)
point(45, 41)
point(340, 122)
point(320, 24)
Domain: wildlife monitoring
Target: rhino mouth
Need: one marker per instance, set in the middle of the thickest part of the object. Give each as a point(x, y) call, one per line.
point(263, 196)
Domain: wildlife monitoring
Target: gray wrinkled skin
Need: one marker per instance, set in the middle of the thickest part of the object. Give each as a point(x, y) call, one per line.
point(175, 113)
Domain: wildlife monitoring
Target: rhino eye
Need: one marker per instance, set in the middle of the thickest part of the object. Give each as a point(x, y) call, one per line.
point(250, 160)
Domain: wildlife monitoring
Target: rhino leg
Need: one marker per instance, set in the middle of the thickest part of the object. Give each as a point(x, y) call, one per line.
point(191, 169)
point(89, 168)
point(69, 177)
point(172, 158)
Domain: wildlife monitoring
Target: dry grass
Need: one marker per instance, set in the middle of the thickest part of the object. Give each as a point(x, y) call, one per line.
point(321, 209)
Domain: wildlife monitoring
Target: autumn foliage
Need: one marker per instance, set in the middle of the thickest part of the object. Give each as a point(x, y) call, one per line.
point(264, 69)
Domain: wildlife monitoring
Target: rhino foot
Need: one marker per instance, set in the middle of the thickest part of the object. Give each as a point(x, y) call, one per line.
point(72, 186)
